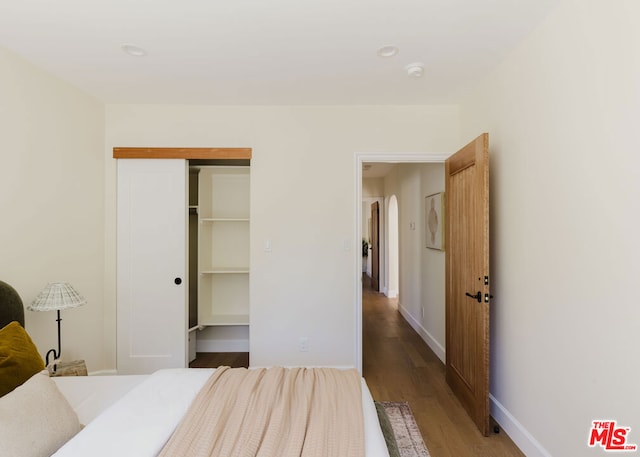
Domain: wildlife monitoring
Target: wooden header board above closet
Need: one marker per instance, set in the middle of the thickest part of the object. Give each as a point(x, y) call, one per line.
point(183, 153)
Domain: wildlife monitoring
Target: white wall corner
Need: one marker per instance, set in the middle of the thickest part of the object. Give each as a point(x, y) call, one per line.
point(435, 346)
point(516, 431)
point(391, 293)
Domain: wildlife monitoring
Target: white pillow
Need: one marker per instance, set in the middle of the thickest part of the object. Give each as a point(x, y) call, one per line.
point(36, 419)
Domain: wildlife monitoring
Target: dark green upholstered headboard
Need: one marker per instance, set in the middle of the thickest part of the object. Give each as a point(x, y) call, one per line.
point(11, 307)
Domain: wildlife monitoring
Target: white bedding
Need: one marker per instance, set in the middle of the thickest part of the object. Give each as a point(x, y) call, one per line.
point(139, 423)
point(90, 395)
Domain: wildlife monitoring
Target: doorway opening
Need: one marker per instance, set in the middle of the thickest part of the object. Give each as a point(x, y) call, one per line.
point(393, 254)
point(464, 325)
point(378, 158)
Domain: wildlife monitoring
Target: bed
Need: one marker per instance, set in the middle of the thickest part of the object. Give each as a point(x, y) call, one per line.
point(140, 415)
point(143, 411)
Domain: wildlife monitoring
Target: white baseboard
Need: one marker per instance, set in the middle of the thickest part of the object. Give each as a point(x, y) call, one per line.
point(391, 293)
point(222, 345)
point(508, 423)
point(435, 346)
point(516, 431)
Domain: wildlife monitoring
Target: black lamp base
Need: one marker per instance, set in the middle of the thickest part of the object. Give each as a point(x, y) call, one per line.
point(56, 355)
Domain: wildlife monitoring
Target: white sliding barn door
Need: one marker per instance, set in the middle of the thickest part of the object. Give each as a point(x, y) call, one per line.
point(151, 265)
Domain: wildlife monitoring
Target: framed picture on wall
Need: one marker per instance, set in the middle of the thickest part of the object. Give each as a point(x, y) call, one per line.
point(434, 223)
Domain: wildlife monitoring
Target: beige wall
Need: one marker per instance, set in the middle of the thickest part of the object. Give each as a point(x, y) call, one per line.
point(372, 191)
point(562, 112)
point(421, 270)
point(372, 187)
point(305, 286)
point(52, 202)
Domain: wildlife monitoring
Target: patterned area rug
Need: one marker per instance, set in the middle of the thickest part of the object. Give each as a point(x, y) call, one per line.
point(408, 438)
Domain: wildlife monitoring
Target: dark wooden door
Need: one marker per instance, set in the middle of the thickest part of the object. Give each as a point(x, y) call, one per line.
point(375, 246)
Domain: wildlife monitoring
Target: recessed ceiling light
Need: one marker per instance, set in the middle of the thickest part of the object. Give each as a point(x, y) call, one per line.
point(133, 50)
point(388, 51)
point(415, 70)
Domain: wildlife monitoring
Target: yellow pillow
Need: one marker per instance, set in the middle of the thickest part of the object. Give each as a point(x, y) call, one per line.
point(19, 357)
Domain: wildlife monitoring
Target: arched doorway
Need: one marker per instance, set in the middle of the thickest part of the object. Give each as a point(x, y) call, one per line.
point(394, 249)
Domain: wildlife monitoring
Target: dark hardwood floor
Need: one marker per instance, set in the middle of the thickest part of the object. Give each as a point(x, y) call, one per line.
point(216, 359)
point(399, 366)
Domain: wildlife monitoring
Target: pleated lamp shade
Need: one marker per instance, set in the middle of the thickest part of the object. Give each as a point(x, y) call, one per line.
point(56, 296)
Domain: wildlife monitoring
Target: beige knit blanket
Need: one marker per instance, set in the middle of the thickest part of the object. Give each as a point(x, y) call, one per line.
point(275, 412)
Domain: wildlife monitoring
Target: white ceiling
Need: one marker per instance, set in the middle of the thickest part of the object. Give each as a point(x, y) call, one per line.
point(268, 51)
point(377, 170)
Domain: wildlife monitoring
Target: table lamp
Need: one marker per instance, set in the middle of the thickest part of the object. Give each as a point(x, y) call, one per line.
point(56, 296)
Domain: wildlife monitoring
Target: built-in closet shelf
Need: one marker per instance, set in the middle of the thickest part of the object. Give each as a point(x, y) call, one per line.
point(226, 319)
point(225, 270)
point(223, 245)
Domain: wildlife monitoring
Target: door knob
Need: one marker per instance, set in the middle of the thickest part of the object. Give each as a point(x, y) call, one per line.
point(477, 296)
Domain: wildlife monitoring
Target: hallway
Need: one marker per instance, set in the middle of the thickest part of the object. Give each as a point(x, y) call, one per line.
point(399, 366)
